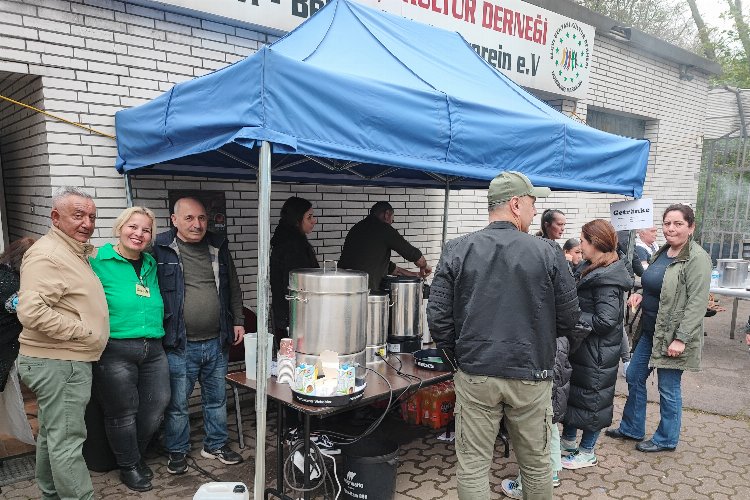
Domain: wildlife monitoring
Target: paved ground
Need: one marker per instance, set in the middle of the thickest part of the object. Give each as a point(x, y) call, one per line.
point(711, 462)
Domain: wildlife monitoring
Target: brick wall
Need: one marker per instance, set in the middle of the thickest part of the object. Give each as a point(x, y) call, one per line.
point(90, 58)
point(25, 159)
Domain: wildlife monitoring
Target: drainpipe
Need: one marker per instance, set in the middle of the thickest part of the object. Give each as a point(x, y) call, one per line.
point(740, 109)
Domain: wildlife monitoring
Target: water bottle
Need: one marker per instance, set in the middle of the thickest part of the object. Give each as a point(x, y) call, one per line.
point(715, 276)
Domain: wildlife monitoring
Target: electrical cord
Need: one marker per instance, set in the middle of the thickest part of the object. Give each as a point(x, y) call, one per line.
point(294, 474)
point(193, 465)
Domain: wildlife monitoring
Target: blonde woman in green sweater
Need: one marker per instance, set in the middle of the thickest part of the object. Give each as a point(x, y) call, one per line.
point(131, 380)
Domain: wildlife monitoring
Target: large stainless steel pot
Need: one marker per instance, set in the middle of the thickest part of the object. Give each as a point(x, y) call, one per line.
point(406, 296)
point(733, 272)
point(328, 310)
point(377, 325)
point(377, 318)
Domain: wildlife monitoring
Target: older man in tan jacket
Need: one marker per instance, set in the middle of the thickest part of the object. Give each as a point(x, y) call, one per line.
point(63, 310)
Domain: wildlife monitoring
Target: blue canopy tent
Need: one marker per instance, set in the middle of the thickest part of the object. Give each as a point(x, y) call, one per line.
point(356, 96)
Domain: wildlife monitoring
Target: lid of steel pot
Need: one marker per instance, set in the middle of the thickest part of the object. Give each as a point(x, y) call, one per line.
point(328, 281)
point(391, 279)
point(376, 296)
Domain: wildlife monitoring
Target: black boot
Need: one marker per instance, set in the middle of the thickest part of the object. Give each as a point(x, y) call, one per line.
point(134, 479)
point(145, 470)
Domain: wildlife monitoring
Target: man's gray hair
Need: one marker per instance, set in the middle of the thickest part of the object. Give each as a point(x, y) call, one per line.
point(64, 191)
point(497, 206)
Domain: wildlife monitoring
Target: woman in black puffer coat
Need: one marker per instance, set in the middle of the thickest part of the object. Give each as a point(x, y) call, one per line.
point(602, 284)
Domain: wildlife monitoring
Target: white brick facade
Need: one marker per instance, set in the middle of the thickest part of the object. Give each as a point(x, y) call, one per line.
point(86, 59)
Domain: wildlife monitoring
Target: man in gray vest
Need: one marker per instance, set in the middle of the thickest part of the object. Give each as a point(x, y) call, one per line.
point(498, 300)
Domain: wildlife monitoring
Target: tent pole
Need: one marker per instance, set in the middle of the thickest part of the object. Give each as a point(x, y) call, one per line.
point(445, 210)
point(128, 190)
point(263, 286)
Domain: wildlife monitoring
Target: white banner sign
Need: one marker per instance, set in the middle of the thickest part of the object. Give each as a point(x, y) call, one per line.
point(534, 47)
point(635, 214)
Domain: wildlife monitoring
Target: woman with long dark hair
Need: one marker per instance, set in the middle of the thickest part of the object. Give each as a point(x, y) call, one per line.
point(602, 283)
point(669, 336)
point(290, 250)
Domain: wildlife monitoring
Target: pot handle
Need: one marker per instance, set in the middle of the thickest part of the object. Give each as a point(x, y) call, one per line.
point(292, 297)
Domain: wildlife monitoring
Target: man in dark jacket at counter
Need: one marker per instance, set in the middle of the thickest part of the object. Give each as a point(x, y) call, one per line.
point(369, 243)
point(499, 299)
point(203, 316)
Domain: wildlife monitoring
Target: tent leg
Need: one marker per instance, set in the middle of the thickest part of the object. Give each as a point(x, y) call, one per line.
point(128, 191)
point(445, 210)
point(263, 286)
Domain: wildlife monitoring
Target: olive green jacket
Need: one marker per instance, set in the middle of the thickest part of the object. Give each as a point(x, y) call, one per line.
point(682, 306)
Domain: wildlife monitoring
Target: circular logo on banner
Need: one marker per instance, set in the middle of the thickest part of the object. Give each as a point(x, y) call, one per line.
point(569, 53)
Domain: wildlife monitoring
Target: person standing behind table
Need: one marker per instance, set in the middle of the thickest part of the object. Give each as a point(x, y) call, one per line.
point(369, 244)
point(130, 378)
point(497, 302)
point(645, 245)
point(63, 310)
point(10, 328)
point(553, 224)
point(670, 334)
point(202, 317)
point(290, 250)
point(602, 284)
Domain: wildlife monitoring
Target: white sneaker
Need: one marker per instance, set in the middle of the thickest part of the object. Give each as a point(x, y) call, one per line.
point(511, 488)
point(579, 461)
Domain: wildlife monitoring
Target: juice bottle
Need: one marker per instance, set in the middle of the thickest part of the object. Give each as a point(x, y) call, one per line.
point(428, 396)
point(413, 410)
point(447, 404)
point(437, 394)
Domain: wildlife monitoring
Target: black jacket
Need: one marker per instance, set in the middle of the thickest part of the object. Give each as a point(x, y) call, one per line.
point(10, 327)
point(368, 247)
point(172, 286)
point(290, 250)
point(561, 380)
point(499, 299)
point(592, 385)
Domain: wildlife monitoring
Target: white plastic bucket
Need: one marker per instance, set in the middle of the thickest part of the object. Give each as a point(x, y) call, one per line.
point(222, 491)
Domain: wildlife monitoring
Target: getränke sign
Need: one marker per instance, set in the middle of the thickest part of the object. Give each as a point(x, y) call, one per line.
point(534, 47)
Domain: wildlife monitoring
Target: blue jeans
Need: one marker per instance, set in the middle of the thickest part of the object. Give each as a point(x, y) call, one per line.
point(129, 384)
point(588, 438)
point(205, 361)
point(633, 422)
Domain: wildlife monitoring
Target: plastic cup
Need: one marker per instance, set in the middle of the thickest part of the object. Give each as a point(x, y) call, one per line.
point(251, 351)
point(251, 355)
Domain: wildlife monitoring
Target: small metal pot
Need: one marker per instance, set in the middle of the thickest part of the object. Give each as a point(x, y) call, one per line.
point(733, 272)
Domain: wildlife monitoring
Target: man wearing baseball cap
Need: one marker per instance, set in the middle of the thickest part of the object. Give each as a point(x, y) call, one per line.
point(498, 301)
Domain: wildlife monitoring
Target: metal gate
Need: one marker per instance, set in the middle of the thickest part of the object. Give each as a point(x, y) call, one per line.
point(724, 197)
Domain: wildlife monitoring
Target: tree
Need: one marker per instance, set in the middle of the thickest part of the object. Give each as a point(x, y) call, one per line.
point(665, 19)
point(709, 49)
point(723, 46)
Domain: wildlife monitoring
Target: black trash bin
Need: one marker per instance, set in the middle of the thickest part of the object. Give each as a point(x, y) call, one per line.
point(369, 471)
